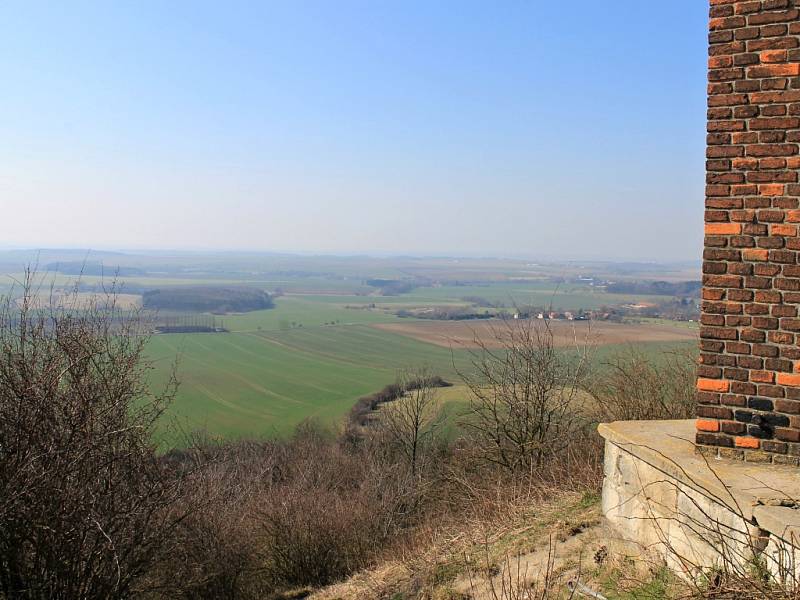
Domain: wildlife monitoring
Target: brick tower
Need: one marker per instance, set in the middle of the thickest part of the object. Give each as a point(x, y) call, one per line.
point(749, 374)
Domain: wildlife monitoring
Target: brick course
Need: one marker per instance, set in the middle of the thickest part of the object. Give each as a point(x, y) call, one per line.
point(748, 386)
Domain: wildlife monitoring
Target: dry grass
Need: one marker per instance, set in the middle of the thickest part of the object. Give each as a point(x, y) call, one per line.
point(527, 543)
point(519, 528)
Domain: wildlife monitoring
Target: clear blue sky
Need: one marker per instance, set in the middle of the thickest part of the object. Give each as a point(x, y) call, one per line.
point(538, 128)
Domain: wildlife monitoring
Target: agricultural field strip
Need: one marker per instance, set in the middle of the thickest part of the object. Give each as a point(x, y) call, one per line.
point(277, 376)
point(283, 330)
point(228, 358)
point(318, 352)
point(261, 339)
point(232, 405)
point(232, 373)
point(367, 334)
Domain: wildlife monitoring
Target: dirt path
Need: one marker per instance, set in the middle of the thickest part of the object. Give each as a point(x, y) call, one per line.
point(561, 559)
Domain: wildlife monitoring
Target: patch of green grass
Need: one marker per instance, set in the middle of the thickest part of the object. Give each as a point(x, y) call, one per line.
point(446, 572)
point(589, 499)
point(657, 586)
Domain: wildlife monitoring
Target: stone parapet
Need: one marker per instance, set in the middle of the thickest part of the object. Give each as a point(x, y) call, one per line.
point(697, 513)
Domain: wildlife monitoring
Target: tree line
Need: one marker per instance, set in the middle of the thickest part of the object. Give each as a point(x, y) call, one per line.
point(207, 299)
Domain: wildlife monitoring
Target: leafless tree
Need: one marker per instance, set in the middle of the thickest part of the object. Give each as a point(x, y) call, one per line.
point(634, 386)
point(410, 421)
point(526, 393)
point(86, 507)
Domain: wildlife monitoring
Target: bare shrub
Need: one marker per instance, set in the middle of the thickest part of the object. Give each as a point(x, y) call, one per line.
point(409, 423)
point(306, 511)
point(86, 507)
point(310, 524)
point(526, 394)
point(634, 386)
point(283, 514)
point(219, 551)
point(363, 411)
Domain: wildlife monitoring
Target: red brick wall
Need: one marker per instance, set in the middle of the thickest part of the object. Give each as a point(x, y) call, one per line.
point(749, 372)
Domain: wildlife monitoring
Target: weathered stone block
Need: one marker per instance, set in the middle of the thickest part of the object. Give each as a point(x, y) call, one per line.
point(696, 512)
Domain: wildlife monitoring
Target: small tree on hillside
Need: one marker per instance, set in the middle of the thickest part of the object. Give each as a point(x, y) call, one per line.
point(526, 392)
point(409, 422)
point(86, 507)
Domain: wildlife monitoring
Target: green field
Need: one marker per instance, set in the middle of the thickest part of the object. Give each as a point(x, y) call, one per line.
point(309, 357)
point(263, 384)
point(263, 378)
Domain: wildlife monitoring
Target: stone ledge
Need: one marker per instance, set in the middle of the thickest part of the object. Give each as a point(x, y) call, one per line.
point(696, 512)
point(669, 447)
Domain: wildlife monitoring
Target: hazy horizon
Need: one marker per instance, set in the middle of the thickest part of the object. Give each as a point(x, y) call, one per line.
point(523, 131)
point(96, 254)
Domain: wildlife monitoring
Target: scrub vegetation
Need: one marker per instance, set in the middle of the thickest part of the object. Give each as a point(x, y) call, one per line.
point(91, 507)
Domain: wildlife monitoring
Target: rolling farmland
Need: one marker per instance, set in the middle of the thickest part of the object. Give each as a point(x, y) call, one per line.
point(310, 358)
point(332, 336)
point(262, 379)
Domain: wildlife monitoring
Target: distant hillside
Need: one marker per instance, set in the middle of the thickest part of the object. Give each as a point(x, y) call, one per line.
point(660, 288)
point(93, 269)
point(207, 299)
